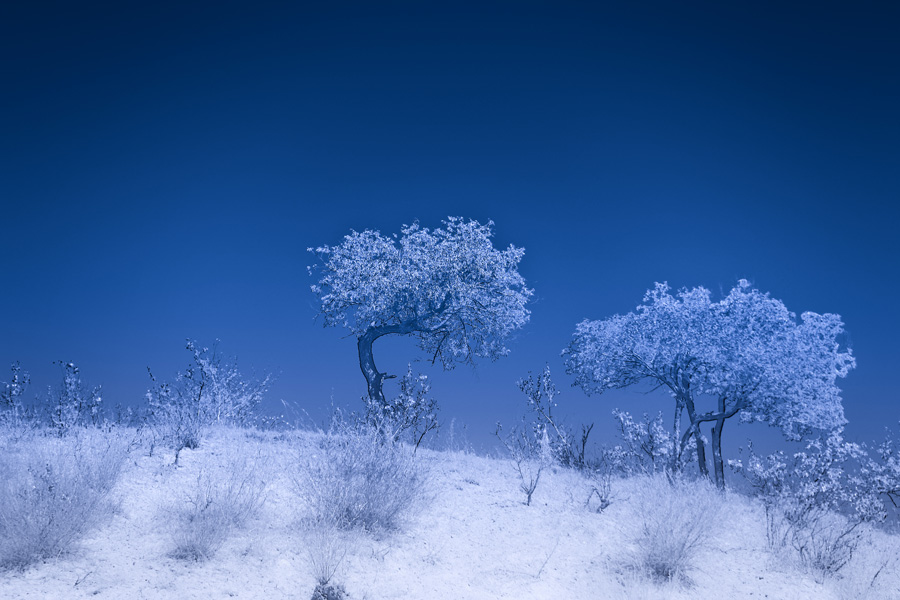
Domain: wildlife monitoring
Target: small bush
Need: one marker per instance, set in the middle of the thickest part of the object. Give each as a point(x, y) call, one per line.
point(53, 491)
point(12, 394)
point(567, 449)
point(647, 447)
point(73, 404)
point(210, 391)
point(672, 519)
point(815, 505)
point(531, 451)
point(883, 472)
point(411, 415)
point(356, 476)
point(221, 499)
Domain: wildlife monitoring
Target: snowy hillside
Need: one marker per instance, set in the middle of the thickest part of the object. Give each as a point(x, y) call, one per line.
point(470, 535)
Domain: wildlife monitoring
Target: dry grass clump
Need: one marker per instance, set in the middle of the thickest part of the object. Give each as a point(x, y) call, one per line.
point(54, 490)
point(357, 476)
point(672, 521)
point(223, 497)
point(326, 548)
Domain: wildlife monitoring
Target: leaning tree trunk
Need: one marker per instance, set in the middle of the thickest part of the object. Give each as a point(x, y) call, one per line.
point(374, 378)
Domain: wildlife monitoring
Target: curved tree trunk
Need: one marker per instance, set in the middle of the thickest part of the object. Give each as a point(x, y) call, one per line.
point(374, 378)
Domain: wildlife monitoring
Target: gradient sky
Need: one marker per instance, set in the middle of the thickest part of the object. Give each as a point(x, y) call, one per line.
point(164, 166)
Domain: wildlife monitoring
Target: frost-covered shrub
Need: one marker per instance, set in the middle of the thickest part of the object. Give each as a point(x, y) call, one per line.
point(883, 471)
point(672, 520)
point(600, 475)
point(53, 491)
point(815, 503)
point(567, 449)
point(411, 415)
point(646, 446)
point(73, 404)
point(357, 476)
point(210, 391)
point(12, 393)
point(223, 497)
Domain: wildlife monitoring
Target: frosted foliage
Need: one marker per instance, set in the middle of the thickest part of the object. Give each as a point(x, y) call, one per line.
point(646, 446)
point(213, 388)
point(412, 414)
point(883, 472)
point(210, 391)
point(450, 288)
point(815, 500)
point(12, 391)
point(72, 403)
point(746, 350)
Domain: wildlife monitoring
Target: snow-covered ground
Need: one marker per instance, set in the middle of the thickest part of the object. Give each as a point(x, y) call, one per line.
point(473, 537)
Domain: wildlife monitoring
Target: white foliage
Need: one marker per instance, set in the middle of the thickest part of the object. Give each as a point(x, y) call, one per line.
point(883, 473)
point(12, 393)
point(73, 404)
point(223, 497)
point(646, 446)
point(54, 490)
point(744, 354)
point(210, 391)
point(816, 501)
point(531, 452)
point(672, 523)
point(449, 288)
point(412, 414)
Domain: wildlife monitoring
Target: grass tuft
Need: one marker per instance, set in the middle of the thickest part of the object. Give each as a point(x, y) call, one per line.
point(357, 477)
point(55, 490)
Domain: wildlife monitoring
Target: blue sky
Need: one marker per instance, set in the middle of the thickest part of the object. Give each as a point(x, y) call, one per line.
point(164, 167)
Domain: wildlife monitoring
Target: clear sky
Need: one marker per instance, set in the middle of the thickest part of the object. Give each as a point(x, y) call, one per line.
point(164, 166)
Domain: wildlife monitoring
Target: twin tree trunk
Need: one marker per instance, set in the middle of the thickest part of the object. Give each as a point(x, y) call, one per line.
point(717, 461)
point(685, 400)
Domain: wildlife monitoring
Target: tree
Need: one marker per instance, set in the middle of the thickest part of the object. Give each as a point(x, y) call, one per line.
point(450, 289)
point(746, 354)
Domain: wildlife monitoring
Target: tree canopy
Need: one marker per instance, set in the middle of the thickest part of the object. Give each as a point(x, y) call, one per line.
point(745, 354)
point(449, 288)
